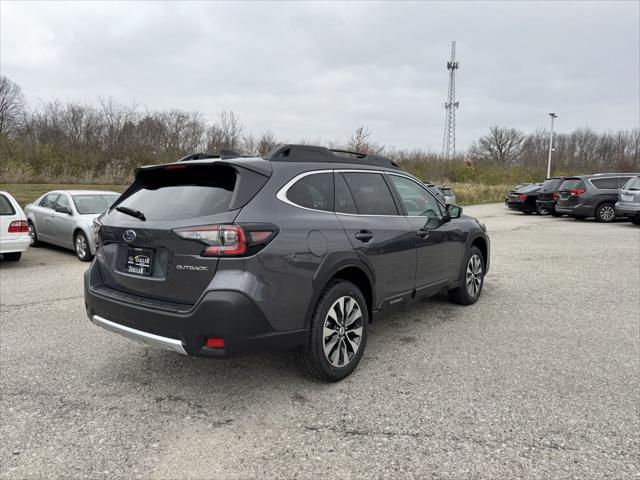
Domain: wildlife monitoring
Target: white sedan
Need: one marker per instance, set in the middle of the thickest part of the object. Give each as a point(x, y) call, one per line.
point(14, 231)
point(65, 218)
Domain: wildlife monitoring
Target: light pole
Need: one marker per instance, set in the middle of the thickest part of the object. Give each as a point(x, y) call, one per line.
point(552, 115)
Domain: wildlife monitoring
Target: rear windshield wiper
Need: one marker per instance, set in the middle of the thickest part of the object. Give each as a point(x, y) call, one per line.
point(132, 212)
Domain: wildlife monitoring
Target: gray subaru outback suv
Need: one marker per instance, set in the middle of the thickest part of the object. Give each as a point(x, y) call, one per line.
point(586, 196)
point(299, 250)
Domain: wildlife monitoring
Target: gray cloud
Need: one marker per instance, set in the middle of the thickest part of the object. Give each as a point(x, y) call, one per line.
point(319, 70)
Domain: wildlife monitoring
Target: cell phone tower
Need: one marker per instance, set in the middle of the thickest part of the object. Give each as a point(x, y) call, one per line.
point(450, 106)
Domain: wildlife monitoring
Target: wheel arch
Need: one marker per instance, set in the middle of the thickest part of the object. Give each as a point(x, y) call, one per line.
point(483, 245)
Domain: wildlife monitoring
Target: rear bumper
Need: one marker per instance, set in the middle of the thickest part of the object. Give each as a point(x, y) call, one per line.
point(627, 209)
point(18, 244)
point(228, 314)
point(515, 205)
point(579, 209)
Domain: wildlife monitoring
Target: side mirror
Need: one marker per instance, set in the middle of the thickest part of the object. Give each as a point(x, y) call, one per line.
point(66, 210)
point(454, 211)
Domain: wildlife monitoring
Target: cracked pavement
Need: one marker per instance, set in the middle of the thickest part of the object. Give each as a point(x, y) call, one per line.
point(539, 379)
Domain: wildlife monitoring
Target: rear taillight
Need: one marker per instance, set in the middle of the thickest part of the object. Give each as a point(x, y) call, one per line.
point(554, 195)
point(577, 191)
point(229, 240)
point(19, 226)
point(522, 196)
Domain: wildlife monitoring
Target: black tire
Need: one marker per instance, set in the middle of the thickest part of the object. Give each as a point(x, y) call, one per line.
point(527, 212)
point(605, 213)
point(542, 211)
point(81, 247)
point(314, 359)
point(578, 217)
point(12, 257)
point(463, 295)
point(34, 235)
point(635, 221)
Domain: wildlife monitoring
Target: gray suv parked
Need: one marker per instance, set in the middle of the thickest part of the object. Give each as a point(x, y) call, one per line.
point(628, 204)
point(301, 249)
point(591, 195)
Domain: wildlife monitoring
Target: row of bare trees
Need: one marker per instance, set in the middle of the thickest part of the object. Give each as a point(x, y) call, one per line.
point(106, 141)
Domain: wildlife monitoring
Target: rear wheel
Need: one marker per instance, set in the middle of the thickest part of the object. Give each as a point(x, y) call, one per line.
point(543, 211)
point(635, 221)
point(605, 213)
point(527, 212)
point(338, 332)
point(473, 279)
point(578, 217)
point(12, 257)
point(33, 235)
point(81, 245)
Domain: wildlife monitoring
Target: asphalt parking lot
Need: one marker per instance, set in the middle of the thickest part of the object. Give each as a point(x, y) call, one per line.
point(539, 379)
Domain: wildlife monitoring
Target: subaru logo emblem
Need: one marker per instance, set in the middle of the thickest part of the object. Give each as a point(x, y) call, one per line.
point(129, 236)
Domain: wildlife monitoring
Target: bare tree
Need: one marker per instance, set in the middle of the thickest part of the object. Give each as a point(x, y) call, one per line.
point(501, 145)
point(12, 106)
point(266, 143)
point(359, 142)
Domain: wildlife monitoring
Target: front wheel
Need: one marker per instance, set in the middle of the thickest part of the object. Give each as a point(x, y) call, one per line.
point(473, 279)
point(338, 332)
point(605, 213)
point(33, 234)
point(81, 245)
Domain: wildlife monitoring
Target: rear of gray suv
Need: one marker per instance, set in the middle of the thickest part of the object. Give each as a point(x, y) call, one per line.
point(586, 196)
point(628, 204)
point(298, 250)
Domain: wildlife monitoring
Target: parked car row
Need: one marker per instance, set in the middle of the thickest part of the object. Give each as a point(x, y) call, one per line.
point(61, 217)
point(603, 196)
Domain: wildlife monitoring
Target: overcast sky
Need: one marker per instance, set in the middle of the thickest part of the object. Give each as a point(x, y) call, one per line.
point(319, 70)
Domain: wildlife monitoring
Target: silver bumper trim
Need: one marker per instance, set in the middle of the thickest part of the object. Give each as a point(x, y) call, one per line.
point(139, 335)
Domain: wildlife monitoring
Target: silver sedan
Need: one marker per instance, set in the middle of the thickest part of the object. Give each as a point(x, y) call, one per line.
point(65, 218)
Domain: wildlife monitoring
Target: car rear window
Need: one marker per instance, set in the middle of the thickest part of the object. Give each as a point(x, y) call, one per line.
point(93, 203)
point(551, 185)
point(313, 191)
point(5, 206)
point(572, 184)
point(371, 194)
point(632, 184)
point(181, 192)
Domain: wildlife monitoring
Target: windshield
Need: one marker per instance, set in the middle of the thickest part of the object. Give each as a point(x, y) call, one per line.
point(572, 184)
point(93, 203)
point(551, 185)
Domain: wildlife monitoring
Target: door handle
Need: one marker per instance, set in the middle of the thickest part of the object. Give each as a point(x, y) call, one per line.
point(423, 233)
point(364, 235)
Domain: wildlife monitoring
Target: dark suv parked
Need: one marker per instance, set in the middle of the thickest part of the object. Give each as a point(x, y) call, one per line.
point(301, 249)
point(586, 196)
point(548, 196)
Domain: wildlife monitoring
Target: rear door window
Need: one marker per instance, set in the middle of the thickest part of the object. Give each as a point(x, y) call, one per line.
point(605, 183)
point(182, 193)
point(313, 191)
point(371, 193)
point(5, 206)
point(344, 200)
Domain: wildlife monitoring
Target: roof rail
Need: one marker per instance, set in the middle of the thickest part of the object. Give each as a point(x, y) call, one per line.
point(312, 153)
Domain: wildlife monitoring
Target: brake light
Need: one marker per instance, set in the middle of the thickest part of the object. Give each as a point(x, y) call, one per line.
point(522, 196)
point(19, 226)
point(554, 195)
point(215, 342)
point(577, 191)
point(229, 240)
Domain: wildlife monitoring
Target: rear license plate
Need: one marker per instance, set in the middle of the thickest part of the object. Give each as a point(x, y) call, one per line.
point(139, 261)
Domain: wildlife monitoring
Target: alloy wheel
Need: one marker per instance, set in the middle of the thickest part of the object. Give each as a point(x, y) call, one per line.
point(342, 332)
point(607, 213)
point(32, 234)
point(474, 275)
point(81, 246)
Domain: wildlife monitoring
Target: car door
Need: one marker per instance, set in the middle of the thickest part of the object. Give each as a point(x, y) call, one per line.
point(63, 223)
point(383, 237)
point(439, 240)
point(43, 216)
